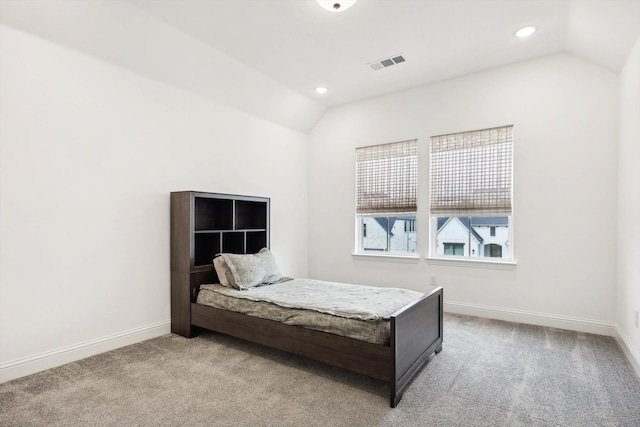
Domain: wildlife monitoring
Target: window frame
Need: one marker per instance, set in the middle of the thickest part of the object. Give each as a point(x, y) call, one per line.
point(468, 259)
point(406, 157)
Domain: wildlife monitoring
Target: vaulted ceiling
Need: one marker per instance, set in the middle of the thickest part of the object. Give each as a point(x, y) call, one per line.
point(302, 46)
point(266, 57)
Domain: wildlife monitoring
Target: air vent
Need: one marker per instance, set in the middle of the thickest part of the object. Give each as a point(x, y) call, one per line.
point(387, 62)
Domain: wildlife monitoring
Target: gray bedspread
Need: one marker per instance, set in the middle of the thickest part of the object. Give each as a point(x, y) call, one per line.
point(338, 299)
point(361, 312)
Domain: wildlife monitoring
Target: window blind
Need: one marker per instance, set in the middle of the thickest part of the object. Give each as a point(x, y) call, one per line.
point(471, 172)
point(387, 177)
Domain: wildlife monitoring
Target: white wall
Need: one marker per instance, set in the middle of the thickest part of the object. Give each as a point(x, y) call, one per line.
point(565, 116)
point(131, 38)
point(629, 205)
point(89, 152)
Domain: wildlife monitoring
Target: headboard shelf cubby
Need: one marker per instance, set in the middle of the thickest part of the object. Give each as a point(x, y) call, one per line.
point(202, 225)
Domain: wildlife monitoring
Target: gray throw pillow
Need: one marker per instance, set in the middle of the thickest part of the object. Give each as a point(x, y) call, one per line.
point(247, 271)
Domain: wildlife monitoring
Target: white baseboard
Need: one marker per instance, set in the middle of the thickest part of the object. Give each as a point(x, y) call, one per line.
point(552, 321)
point(631, 353)
point(33, 364)
point(533, 318)
point(40, 362)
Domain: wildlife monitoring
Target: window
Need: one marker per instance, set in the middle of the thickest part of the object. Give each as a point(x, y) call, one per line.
point(410, 225)
point(386, 197)
point(388, 234)
point(492, 250)
point(471, 193)
point(454, 248)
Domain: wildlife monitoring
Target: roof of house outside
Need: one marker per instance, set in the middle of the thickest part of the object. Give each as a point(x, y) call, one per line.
point(464, 220)
point(387, 226)
point(392, 221)
point(489, 220)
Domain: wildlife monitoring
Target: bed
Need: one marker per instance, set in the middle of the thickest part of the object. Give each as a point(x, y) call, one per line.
point(204, 224)
point(414, 329)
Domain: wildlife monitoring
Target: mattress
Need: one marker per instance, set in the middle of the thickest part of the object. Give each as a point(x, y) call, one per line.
point(353, 311)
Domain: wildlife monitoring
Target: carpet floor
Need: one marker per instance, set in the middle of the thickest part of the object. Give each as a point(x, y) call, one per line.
point(490, 373)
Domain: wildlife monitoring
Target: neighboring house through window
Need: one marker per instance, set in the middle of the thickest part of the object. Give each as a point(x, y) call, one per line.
point(471, 193)
point(386, 197)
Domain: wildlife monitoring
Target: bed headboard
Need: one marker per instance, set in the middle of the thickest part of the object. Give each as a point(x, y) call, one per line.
point(203, 225)
point(201, 278)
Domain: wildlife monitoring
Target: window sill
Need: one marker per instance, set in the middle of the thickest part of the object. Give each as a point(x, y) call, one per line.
point(472, 263)
point(387, 257)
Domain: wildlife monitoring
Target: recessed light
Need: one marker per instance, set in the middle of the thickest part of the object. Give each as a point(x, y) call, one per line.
point(525, 31)
point(336, 5)
point(321, 90)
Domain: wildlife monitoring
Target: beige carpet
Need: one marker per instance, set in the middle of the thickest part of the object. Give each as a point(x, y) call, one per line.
point(490, 373)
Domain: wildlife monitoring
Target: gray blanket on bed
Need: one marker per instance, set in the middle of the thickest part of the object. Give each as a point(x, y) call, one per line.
point(339, 299)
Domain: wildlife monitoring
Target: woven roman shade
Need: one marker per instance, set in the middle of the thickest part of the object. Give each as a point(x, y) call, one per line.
point(471, 172)
point(387, 178)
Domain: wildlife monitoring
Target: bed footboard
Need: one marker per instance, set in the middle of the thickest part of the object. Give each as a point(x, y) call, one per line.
point(416, 333)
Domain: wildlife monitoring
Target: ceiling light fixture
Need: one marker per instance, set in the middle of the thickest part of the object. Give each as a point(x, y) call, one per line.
point(525, 31)
point(335, 5)
point(321, 90)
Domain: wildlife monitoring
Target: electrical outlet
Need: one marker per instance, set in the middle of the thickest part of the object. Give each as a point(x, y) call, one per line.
point(433, 281)
point(635, 318)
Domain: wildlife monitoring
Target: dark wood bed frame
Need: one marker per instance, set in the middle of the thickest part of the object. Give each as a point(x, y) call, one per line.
point(416, 329)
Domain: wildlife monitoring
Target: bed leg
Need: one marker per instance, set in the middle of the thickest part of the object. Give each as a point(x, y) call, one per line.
point(439, 349)
point(394, 400)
